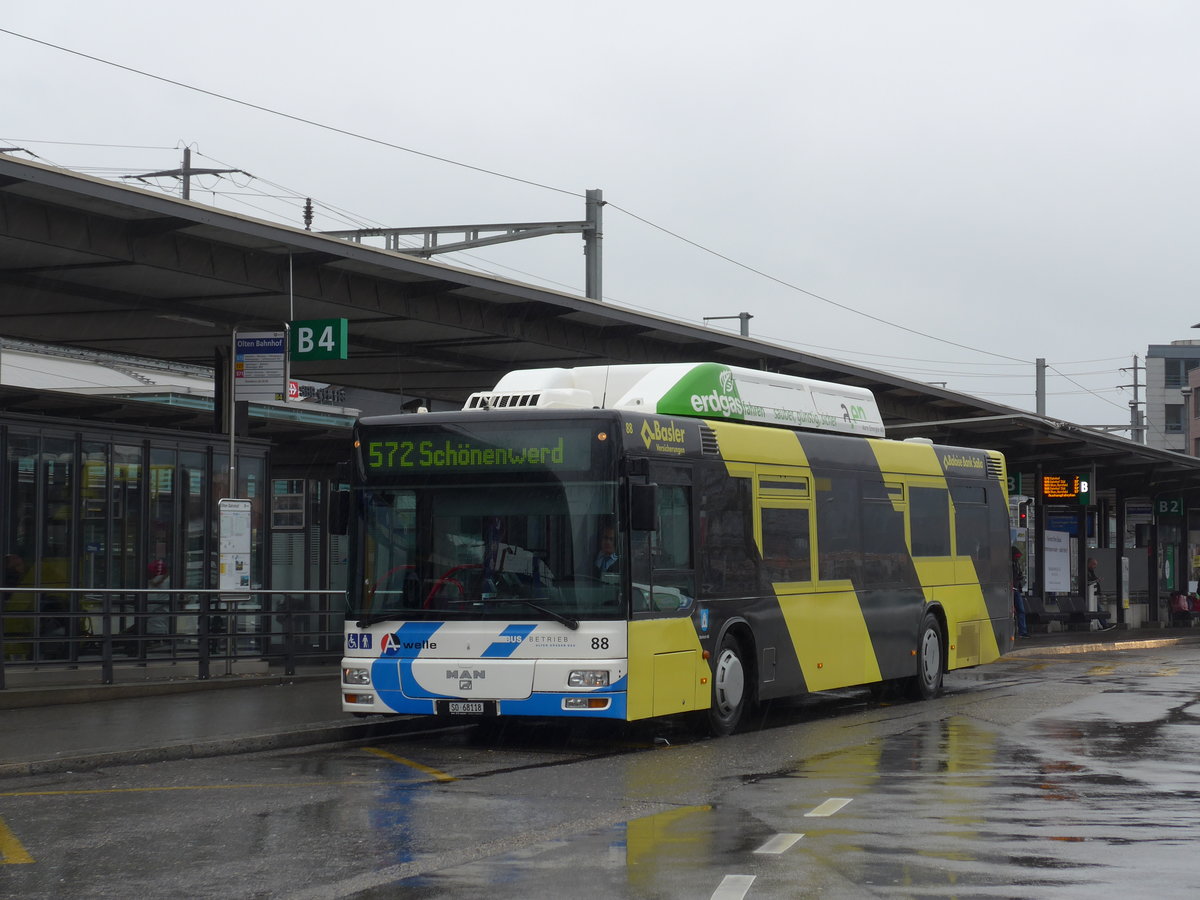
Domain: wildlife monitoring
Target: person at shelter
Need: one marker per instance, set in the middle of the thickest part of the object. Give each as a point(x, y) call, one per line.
point(1183, 610)
point(14, 569)
point(11, 603)
point(1094, 595)
point(1018, 587)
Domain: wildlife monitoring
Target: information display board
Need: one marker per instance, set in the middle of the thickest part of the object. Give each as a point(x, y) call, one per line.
point(1068, 487)
point(260, 369)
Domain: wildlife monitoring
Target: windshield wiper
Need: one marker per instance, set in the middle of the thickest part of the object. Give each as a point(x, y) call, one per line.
point(381, 617)
point(573, 624)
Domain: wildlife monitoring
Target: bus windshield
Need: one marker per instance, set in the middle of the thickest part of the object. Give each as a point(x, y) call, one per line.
point(519, 549)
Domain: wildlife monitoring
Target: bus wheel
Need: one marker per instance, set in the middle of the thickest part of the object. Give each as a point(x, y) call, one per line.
point(729, 694)
point(927, 683)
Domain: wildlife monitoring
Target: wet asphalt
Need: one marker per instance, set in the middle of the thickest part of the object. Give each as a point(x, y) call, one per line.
point(76, 727)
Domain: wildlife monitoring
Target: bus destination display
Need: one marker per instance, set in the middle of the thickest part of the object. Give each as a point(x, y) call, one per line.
point(511, 450)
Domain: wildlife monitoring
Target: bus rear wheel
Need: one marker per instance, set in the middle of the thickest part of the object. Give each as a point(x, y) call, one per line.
point(927, 683)
point(730, 692)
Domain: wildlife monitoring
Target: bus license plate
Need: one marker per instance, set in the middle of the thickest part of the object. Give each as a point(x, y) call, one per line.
point(467, 707)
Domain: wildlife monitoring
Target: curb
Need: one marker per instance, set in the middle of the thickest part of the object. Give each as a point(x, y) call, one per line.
point(30, 697)
point(333, 732)
point(1101, 646)
point(328, 733)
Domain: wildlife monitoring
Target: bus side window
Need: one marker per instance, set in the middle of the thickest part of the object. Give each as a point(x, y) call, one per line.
point(929, 514)
point(787, 554)
point(662, 559)
point(839, 530)
point(883, 510)
point(673, 539)
point(639, 553)
point(727, 557)
point(971, 526)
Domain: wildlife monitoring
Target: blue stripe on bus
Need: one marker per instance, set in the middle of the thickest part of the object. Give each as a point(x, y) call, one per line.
point(502, 649)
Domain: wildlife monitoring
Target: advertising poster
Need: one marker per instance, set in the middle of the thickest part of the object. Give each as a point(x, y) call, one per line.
point(1056, 561)
point(234, 545)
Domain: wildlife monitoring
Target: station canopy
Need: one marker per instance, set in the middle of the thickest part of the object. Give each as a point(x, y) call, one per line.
point(91, 264)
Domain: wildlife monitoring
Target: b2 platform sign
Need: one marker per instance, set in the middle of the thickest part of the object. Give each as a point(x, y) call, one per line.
point(1169, 506)
point(234, 545)
point(319, 339)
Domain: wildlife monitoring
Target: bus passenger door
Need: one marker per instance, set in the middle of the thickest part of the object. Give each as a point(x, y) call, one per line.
point(830, 627)
point(667, 673)
point(784, 532)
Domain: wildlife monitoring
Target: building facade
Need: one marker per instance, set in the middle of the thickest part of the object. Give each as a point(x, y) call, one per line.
point(1167, 372)
point(114, 469)
point(93, 506)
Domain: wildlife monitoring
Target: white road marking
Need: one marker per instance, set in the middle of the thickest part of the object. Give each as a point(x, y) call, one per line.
point(829, 807)
point(781, 843)
point(733, 887)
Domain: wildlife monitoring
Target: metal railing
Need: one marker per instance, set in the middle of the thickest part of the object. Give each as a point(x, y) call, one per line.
point(84, 628)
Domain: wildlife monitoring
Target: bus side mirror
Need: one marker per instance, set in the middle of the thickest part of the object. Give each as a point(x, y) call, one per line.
point(643, 507)
point(339, 512)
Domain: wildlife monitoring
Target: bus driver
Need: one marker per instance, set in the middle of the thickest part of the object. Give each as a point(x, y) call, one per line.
point(606, 556)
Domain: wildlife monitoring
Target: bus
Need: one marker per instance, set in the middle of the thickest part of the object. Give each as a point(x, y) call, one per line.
point(631, 542)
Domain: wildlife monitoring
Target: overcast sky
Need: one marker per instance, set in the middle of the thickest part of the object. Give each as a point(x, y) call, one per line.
point(963, 186)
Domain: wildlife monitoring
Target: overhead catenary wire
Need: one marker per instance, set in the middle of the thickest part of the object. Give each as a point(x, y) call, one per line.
point(1085, 389)
point(90, 143)
point(295, 199)
point(814, 295)
point(413, 242)
point(533, 183)
point(483, 170)
point(285, 115)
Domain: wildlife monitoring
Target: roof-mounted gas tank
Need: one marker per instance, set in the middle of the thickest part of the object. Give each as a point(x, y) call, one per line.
point(699, 390)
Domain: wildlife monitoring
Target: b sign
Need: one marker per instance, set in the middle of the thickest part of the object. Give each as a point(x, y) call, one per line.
point(319, 339)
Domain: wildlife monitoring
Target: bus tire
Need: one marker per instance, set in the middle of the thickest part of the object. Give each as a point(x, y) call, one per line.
point(927, 683)
point(730, 688)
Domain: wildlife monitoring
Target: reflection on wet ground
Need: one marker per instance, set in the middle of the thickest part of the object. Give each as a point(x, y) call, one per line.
point(836, 796)
point(1086, 801)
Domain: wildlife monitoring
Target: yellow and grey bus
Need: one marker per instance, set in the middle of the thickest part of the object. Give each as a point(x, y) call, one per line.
point(627, 542)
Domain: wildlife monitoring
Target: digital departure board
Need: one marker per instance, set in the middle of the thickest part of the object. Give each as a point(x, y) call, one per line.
point(1067, 487)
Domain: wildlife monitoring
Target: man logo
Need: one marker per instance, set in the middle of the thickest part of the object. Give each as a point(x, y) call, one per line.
point(466, 678)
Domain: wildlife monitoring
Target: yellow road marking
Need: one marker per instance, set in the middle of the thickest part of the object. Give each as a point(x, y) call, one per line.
point(435, 773)
point(11, 851)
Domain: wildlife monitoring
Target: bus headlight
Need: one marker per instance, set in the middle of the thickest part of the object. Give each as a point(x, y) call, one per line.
point(588, 678)
point(356, 676)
